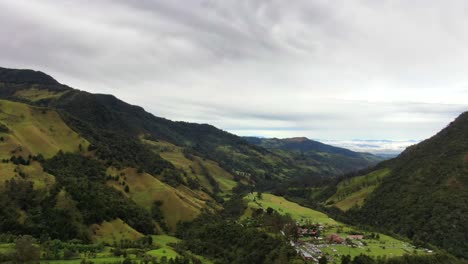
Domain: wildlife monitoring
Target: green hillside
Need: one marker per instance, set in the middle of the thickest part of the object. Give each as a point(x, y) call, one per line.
point(28, 130)
point(145, 190)
point(424, 196)
point(283, 206)
point(352, 192)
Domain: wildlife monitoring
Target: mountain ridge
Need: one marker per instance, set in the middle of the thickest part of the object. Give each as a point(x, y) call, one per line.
point(310, 153)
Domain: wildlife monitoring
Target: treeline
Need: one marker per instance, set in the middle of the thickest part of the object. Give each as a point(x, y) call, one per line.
point(27, 249)
point(406, 259)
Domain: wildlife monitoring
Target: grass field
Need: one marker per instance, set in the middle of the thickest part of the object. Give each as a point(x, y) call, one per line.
point(35, 94)
point(163, 241)
point(145, 189)
point(283, 206)
point(33, 172)
point(7, 248)
point(113, 231)
point(103, 260)
point(383, 246)
point(192, 167)
point(34, 130)
point(164, 249)
point(355, 199)
point(353, 192)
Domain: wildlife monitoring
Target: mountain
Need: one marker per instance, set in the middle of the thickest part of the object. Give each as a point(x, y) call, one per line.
point(323, 158)
point(87, 172)
point(147, 163)
point(422, 194)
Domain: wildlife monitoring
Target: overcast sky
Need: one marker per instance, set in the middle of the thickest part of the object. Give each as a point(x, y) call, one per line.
point(334, 70)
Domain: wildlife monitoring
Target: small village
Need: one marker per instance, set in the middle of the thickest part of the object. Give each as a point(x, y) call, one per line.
point(316, 241)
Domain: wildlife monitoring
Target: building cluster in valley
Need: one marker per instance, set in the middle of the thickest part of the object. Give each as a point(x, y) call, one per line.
point(310, 240)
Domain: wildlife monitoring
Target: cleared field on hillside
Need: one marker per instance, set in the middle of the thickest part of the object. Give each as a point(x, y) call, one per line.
point(113, 231)
point(146, 189)
point(194, 166)
point(354, 191)
point(32, 172)
point(283, 206)
point(35, 94)
point(162, 241)
point(34, 130)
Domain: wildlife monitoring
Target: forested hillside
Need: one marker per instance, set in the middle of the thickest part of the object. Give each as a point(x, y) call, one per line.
point(322, 158)
point(423, 194)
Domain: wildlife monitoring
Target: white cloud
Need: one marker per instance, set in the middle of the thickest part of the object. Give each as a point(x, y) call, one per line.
point(388, 147)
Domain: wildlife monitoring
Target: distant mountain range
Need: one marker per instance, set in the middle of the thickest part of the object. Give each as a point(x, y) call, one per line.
point(319, 156)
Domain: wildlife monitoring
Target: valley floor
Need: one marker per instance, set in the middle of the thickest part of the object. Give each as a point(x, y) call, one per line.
point(330, 238)
point(162, 250)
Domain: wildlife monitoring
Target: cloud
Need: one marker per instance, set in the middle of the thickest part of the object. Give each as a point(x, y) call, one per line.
point(321, 69)
point(379, 147)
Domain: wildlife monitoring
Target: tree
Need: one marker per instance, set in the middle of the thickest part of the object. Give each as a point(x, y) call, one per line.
point(290, 231)
point(363, 259)
point(68, 254)
point(26, 251)
point(346, 259)
point(270, 211)
point(323, 260)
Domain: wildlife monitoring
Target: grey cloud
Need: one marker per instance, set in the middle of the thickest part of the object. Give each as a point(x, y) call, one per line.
point(340, 69)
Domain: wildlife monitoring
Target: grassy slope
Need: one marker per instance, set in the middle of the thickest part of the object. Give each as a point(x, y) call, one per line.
point(145, 189)
point(175, 155)
point(353, 192)
point(34, 173)
point(7, 248)
point(35, 94)
point(113, 231)
point(284, 206)
point(34, 130)
point(164, 249)
point(162, 241)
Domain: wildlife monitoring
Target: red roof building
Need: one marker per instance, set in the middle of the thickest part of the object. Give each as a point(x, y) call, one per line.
point(335, 238)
